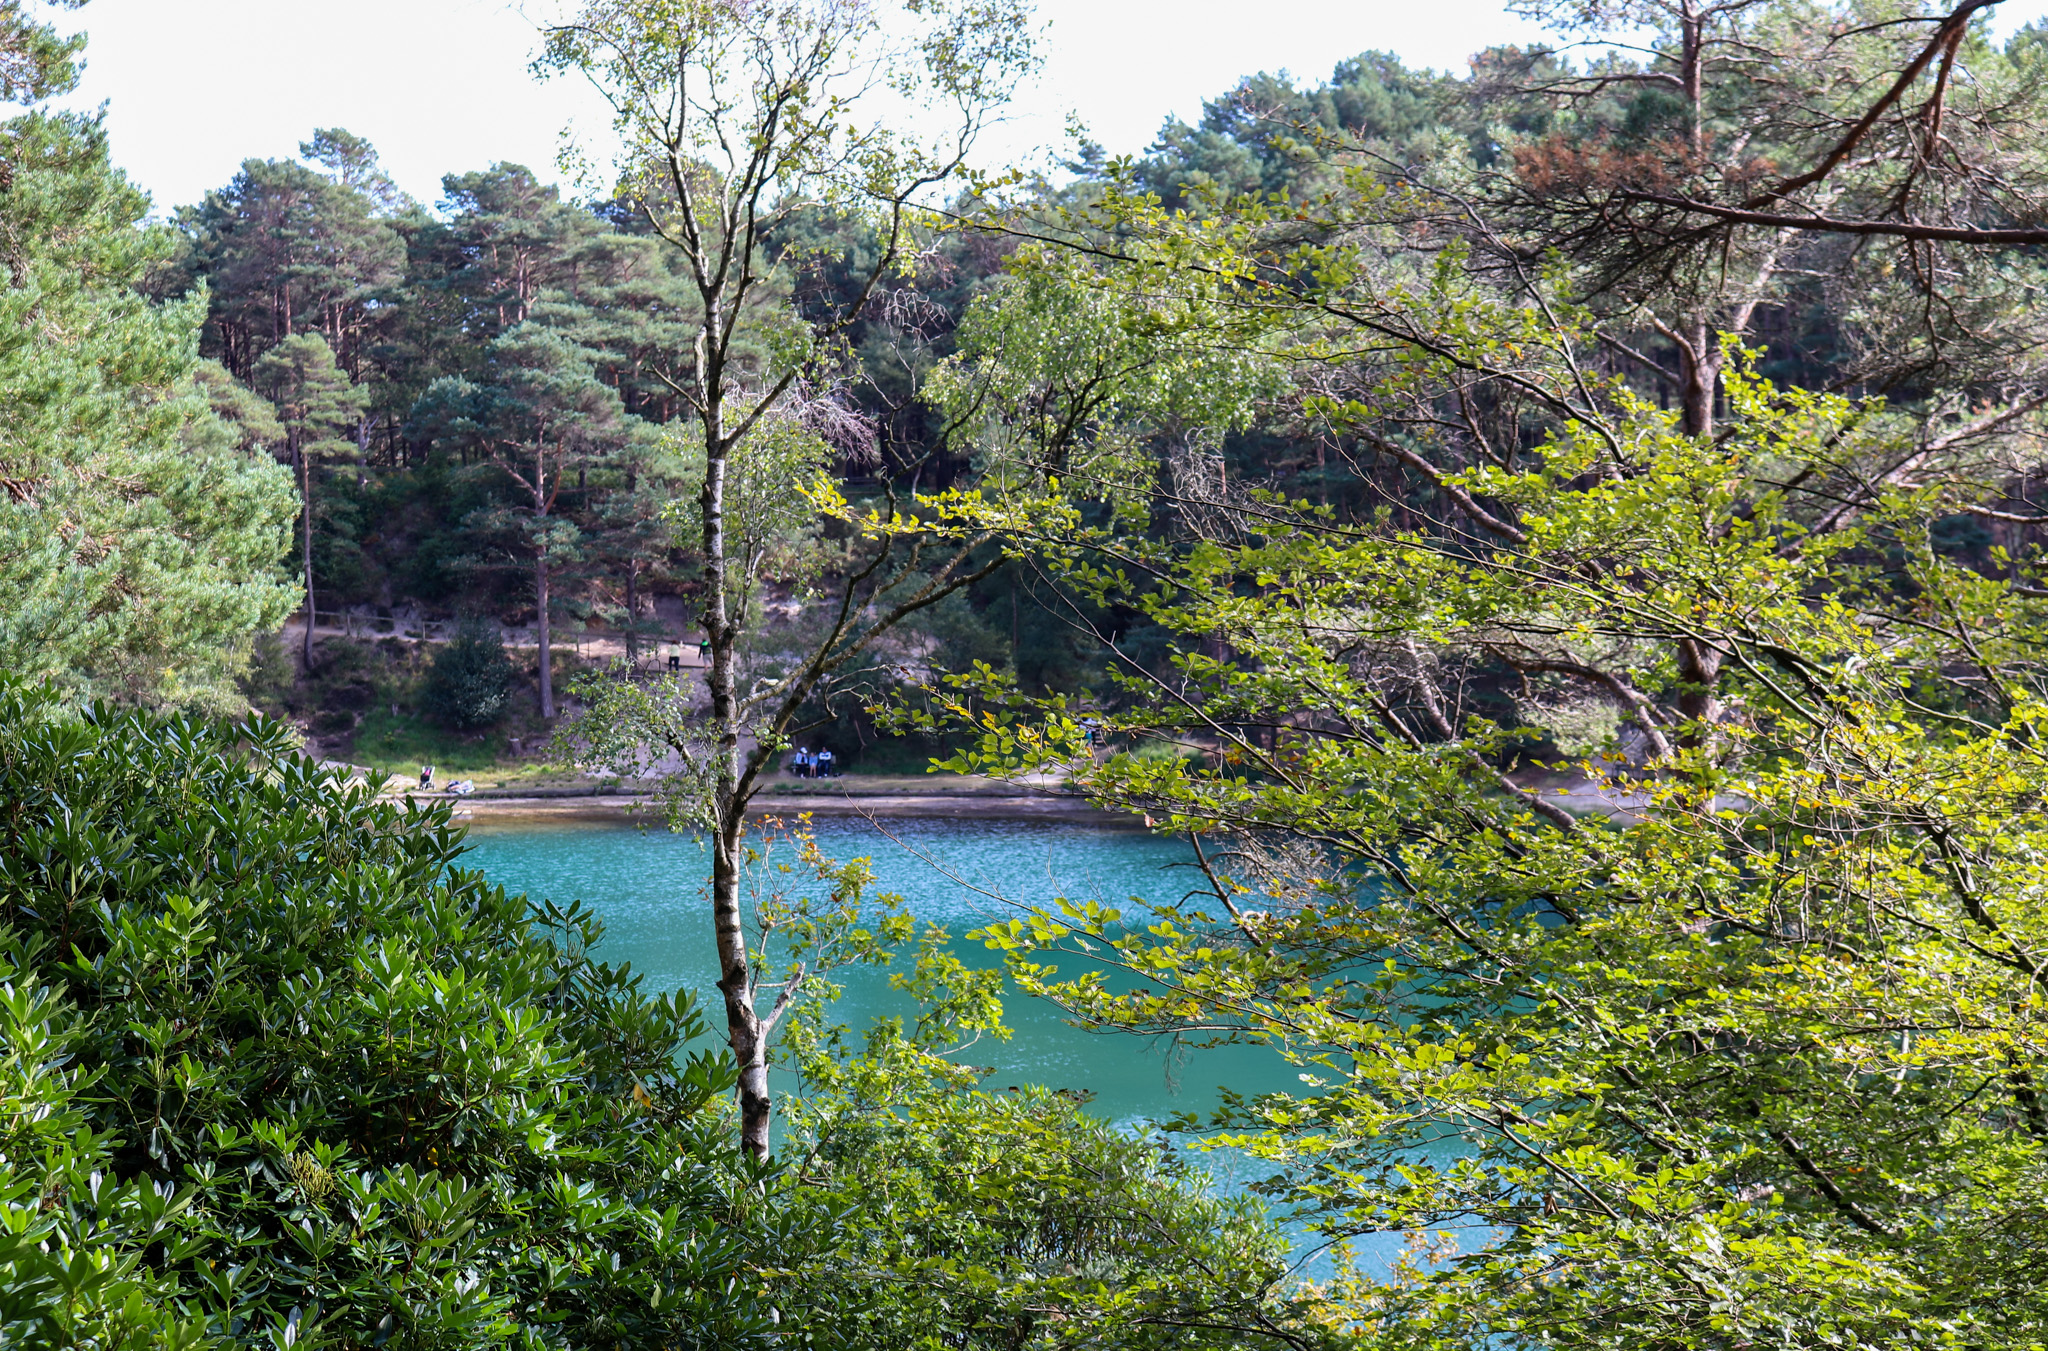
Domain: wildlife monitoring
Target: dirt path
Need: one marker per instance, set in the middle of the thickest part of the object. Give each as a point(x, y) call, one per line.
point(893, 796)
point(480, 811)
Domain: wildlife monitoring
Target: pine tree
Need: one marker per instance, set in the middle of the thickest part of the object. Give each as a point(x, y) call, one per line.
point(636, 315)
point(512, 238)
point(539, 421)
point(567, 310)
point(352, 162)
point(287, 250)
point(316, 404)
point(138, 534)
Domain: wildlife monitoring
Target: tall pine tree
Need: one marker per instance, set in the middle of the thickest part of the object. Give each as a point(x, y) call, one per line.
point(288, 250)
point(139, 536)
point(316, 404)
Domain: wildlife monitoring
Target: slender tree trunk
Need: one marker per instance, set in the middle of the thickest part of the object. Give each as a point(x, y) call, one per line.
point(306, 541)
point(728, 804)
point(1699, 667)
point(735, 982)
point(547, 667)
point(542, 600)
point(1692, 76)
point(632, 611)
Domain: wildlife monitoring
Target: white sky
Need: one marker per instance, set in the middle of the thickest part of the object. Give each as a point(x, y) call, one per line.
point(193, 87)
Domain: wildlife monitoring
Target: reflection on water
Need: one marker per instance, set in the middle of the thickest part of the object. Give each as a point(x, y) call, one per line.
point(647, 887)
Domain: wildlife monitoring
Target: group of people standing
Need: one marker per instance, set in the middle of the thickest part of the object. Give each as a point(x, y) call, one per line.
point(806, 764)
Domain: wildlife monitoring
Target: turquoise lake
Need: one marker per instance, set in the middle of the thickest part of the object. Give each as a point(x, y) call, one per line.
point(646, 885)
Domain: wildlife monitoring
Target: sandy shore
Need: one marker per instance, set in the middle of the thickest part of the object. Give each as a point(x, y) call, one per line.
point(956, 806)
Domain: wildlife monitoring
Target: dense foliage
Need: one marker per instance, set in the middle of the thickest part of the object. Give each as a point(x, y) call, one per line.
point(455, 327)
point(138, 531)
point(278, 1064)
point(1744, 1045)
point(1560, 542)
point(429, 488)
point(1627, 814)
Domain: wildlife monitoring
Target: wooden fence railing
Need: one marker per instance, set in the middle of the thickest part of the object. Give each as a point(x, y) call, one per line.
point(653, 650)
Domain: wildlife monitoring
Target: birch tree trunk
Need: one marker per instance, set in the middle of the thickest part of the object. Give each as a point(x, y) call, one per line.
point(728, 803)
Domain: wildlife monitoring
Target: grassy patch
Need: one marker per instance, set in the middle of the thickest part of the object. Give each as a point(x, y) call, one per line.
point(1151, 750)
point(402, 744)
point(398, 746)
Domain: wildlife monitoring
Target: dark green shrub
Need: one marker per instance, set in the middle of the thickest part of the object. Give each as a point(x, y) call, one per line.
point(471, 678)
point(275, 1069)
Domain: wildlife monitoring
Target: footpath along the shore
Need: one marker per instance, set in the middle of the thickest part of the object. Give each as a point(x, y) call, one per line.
point(946, 797)
point(854, 795)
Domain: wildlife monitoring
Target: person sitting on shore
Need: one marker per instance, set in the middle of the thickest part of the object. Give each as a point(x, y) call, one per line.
point(824, 762)
point(800, 763)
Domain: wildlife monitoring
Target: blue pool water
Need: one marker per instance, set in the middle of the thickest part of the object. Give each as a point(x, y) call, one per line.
point(647, 886)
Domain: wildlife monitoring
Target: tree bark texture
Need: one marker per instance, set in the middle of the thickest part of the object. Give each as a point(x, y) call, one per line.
point(632, 611)
point(1699, 357)
point(729, 809)
point(1699, 666)
point(541, 598)
point(547, 670)
point(306, 542)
